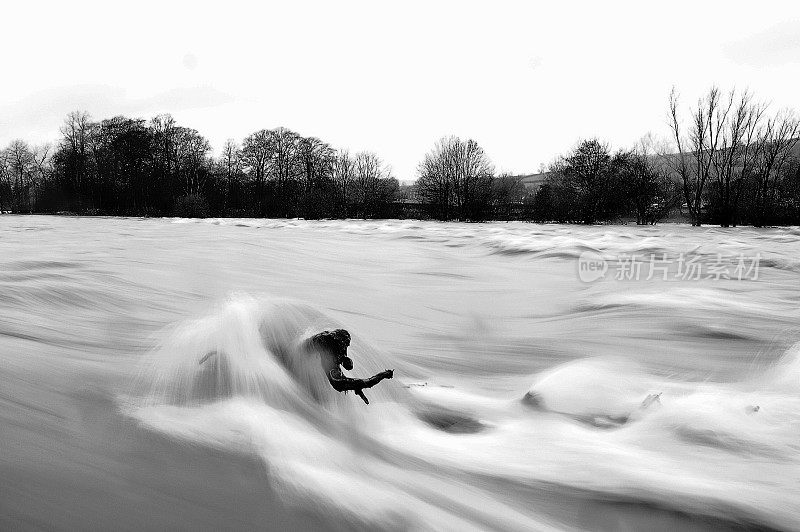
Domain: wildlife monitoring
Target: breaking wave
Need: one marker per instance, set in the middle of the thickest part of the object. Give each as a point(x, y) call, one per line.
point(428, 456)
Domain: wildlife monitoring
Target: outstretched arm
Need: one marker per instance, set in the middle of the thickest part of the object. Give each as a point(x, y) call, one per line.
point(341, 383)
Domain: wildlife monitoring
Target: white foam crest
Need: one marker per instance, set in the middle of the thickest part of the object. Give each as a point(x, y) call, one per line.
point(560, 241)
point(251, 347)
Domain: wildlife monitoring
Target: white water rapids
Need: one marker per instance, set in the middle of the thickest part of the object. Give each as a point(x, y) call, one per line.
point(523, 398)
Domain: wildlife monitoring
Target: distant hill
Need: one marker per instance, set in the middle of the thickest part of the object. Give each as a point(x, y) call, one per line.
point(532, 182)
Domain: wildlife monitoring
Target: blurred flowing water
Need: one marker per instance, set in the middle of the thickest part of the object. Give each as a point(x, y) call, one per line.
point(153, 377)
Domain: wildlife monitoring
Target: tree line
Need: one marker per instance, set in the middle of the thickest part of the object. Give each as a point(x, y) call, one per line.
point(728, 161)
point(590, 184)
point(132, 167)
point(736, 162)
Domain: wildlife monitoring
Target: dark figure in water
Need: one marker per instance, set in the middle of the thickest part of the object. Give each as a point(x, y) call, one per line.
point(332, 347)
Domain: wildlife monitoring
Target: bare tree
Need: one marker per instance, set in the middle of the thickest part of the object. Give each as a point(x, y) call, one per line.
point(257, 150)
point(455, 178)
point(733, 159)
point(776, 141)
point(6, 198)
point(41, 169)
point(369, 170)
point(76, 133)
point(473, 183)
point(230, 167)
point(231, 158)
point(343, 175)
point(316, 159)
point(163, 129)
point(283, 168)
point(190, 155)
point(697, 147)
point(21, 164)
point(435, 182)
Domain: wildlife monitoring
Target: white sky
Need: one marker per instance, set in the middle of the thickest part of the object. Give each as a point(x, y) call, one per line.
point(526, 81)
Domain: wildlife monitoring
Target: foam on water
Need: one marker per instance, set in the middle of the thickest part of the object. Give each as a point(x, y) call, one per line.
point(727, 450)
point(523, 398)
point(559, 241)
point(266, 394)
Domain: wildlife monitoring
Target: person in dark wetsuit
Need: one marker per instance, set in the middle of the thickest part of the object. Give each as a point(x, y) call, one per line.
point(332, 347)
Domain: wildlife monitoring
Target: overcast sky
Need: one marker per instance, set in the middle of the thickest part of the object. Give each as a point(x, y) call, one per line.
point(525, 81)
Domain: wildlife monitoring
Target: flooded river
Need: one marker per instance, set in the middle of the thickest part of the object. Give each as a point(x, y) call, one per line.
point(153, 376)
